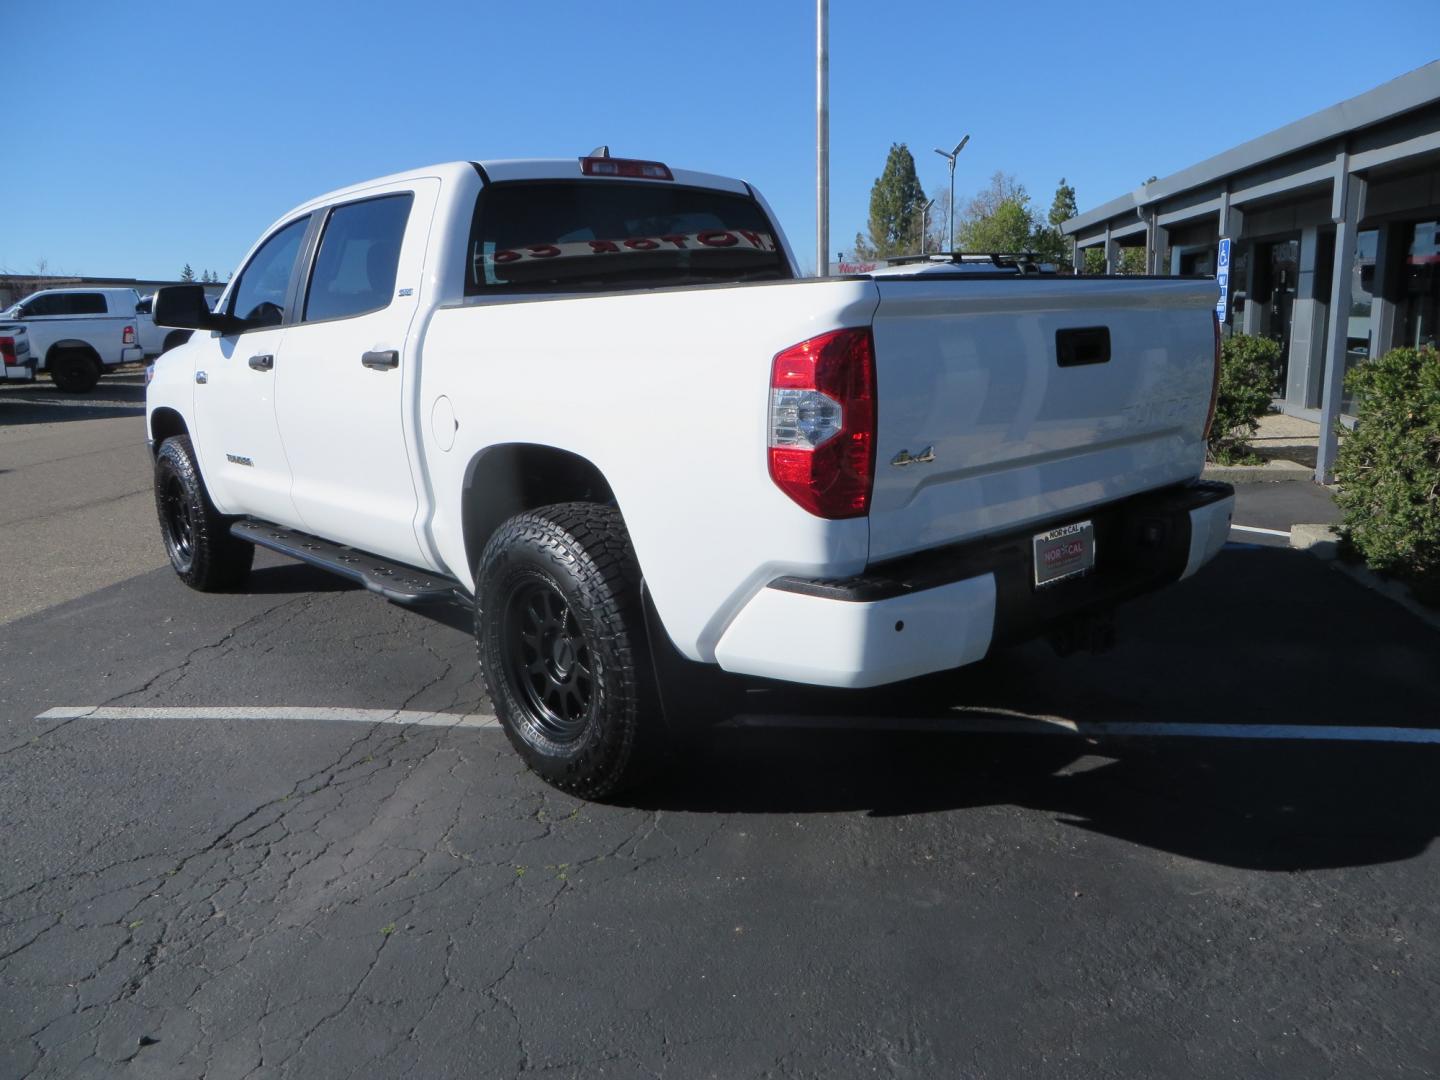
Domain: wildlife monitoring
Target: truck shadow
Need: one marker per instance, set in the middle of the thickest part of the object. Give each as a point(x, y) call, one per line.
point(1254, 806)
point(1265, 636)
point(40, 403)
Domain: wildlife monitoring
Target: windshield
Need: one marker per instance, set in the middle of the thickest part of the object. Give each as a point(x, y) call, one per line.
point(588, 235)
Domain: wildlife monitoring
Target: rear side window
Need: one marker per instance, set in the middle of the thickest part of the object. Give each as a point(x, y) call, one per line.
point(260, 294)
point(581, 236)
point(359, 253)
point(87, 303)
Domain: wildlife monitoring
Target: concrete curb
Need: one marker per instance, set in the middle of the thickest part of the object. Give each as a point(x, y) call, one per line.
point(1321, 541)
point(1273, 470)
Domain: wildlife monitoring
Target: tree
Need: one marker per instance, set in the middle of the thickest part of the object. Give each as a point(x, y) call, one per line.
point(1128, 260)
point(937, 225)
point(895, 201)
point(1049, 242)
point(998, 218)
point(187, 274)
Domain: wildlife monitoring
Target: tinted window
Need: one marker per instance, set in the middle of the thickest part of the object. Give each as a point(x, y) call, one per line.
point(359, 252)
point(67, 304)
point(50, 304)
point(86, 303)
point(586, 235)
point(259, 296)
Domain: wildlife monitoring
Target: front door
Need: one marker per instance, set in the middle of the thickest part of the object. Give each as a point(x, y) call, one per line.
point(235, 434)
point(341, 381)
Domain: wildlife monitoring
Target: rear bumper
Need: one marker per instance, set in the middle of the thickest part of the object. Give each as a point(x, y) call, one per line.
point(18, 372)
point(948, 607)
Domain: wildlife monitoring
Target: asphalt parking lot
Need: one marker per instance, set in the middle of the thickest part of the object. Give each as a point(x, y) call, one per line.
point(276, 834)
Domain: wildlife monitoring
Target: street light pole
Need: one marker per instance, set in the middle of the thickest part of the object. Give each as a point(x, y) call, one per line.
point(822, 138)
point(924, 218)
point(950, 157)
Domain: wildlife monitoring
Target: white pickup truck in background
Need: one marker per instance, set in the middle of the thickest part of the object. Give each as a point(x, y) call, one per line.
point(78, 334)
point(594, 397)
point(16, 363)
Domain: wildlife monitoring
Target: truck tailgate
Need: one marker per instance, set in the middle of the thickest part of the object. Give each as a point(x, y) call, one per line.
point(970, 370)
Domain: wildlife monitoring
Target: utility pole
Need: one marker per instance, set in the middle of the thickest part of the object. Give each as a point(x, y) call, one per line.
point(822, 138)
point(950, 157)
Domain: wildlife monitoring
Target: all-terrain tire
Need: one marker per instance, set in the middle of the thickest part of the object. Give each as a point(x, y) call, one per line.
point(197, 536)
point(74, 371)
point(561, 639)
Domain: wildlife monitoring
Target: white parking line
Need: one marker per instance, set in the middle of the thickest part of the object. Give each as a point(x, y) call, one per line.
point(417, 717)
point(1263, 532)
point(987, 722)
point(1000, 723)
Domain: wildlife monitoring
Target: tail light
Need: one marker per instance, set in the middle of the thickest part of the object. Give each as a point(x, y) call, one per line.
point(1215, 379)
point(128, 337)
point(7, 350)
point(822, 423)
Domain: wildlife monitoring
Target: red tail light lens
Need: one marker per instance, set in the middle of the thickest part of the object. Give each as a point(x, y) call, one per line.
point(128, 336)
point(7, 350)
point(1215, 381)
point(822, 423)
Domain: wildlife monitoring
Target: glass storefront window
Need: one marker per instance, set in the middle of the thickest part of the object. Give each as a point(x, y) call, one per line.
point(1421, 281)
point(1357, 333)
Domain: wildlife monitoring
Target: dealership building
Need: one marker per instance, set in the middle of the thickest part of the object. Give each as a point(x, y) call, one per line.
point(1325, 235)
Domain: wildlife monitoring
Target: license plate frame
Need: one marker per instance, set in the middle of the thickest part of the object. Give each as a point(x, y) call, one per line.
point(1063, 553)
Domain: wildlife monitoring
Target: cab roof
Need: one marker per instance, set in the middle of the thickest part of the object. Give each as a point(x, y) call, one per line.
point(505, 170)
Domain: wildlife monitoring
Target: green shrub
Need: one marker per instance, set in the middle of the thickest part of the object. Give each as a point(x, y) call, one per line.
point(1249, 373)
point(1388, 468)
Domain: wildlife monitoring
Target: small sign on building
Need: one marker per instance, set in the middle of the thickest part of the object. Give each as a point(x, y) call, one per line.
point(1222, 275)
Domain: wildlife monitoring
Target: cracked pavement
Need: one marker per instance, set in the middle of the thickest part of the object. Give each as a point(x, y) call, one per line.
point(264, 898)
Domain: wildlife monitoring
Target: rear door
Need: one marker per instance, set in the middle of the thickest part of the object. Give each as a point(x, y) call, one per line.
point(347, 362)
point(1007, 401)
point(235, 431)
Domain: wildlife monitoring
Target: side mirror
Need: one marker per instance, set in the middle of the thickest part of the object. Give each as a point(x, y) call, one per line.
point(185, 307)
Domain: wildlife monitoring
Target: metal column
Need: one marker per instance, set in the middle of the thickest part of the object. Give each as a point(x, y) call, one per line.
point(822, 138)
point(1347, 207)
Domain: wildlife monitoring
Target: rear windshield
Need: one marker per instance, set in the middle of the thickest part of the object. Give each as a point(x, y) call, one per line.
point(574, 236)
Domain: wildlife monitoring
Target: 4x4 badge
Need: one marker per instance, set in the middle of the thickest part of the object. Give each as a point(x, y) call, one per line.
point(924, 457)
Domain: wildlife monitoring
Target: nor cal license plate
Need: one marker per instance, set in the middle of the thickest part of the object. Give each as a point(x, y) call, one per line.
point(1064, 552)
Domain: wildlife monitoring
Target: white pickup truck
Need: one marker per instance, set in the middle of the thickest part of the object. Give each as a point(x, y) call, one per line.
point(78, 334)
point(595, 398)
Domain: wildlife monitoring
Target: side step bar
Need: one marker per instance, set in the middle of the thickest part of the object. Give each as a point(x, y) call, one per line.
point(394, 581)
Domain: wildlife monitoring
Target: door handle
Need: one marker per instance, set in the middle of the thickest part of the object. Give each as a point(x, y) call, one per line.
point(383, 360)
point(263, 362)
point(201, 377)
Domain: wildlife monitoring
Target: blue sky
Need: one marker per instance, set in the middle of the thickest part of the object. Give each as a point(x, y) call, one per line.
point(145, 136)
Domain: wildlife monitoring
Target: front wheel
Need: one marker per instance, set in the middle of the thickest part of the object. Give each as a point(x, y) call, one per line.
point(560, 635)
point(197, 536)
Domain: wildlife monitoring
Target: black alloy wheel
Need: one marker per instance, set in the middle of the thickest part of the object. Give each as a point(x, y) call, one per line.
point(549, 660)
point(176, 526)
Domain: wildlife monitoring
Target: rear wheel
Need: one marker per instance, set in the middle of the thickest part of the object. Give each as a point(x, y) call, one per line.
point(74, 371)
point(197, 536)
point(560, 635)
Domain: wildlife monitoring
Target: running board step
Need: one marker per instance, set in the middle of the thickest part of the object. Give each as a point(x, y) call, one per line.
point(394, 581)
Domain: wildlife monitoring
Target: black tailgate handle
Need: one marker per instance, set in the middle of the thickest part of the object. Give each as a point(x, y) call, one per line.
point(1082, 345)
